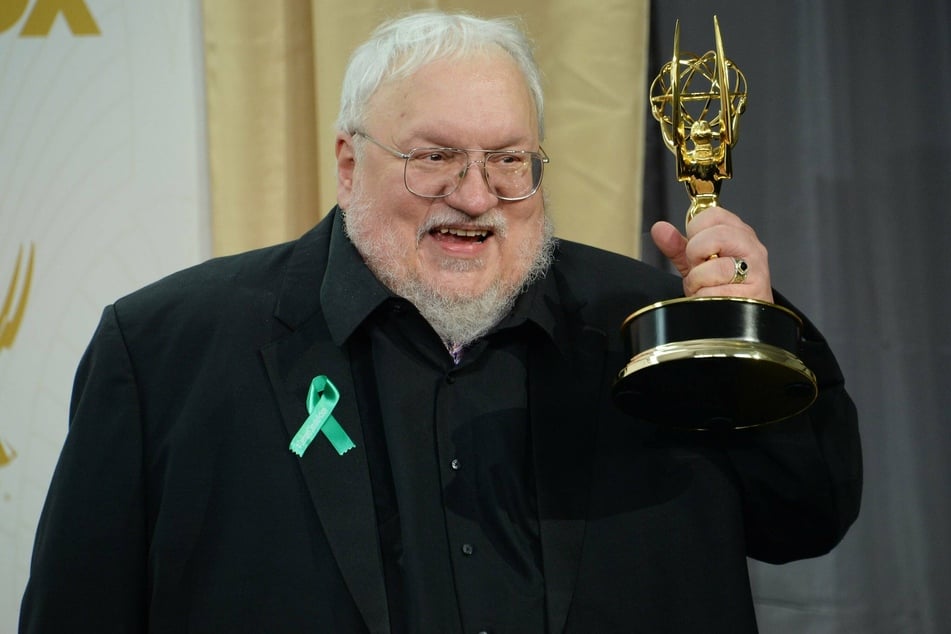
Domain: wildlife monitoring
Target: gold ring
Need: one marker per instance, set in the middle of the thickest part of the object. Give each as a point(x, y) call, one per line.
point(740, 270)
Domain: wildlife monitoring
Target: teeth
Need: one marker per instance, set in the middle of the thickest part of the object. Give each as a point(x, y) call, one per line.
point(467, 233)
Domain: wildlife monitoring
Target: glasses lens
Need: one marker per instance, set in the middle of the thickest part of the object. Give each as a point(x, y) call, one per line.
point(513, 175)
point(437, 172)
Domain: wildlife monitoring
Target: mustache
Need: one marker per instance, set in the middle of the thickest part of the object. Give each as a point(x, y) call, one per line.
point(493, 221)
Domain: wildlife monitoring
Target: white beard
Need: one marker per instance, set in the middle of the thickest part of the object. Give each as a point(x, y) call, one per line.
point(457, 318)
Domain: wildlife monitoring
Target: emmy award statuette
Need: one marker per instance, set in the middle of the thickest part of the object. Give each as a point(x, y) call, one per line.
point(709, 362)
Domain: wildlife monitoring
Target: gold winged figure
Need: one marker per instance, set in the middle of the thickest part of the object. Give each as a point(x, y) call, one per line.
point(15, 299)
point(700, 124)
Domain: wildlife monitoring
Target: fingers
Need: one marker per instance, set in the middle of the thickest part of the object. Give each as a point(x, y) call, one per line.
point(717, 232)
point(672, 244)
point(727, 277)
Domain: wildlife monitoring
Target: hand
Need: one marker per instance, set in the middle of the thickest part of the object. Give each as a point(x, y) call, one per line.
point(716, 232)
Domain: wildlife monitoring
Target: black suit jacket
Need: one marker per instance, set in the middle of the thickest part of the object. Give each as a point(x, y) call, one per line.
point(177, 506)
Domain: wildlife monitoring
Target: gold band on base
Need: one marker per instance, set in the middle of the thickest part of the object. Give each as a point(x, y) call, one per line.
point(717, 348)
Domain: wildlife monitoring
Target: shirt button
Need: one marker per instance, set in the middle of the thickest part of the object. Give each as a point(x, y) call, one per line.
point(467, 549)
point(455, 464)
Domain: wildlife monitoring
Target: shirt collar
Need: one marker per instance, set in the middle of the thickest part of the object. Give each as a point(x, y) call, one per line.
point(537, 305)
point(350, 293)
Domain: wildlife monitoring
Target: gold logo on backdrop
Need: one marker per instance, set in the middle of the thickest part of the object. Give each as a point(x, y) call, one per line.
point(41, 16)
point(15, 299)
point(7, 453)
point(11, 316)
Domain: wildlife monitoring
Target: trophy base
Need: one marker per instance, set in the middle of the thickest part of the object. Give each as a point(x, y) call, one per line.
point(713, 363)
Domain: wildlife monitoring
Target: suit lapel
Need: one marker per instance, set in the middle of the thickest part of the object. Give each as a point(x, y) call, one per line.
point(564, 390)
point(339, 486)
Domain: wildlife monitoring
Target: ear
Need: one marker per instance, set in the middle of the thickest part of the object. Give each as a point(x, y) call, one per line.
point(346, 164)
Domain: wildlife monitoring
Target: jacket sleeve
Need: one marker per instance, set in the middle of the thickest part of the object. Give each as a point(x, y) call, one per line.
point(801, 479)
point(88, 568)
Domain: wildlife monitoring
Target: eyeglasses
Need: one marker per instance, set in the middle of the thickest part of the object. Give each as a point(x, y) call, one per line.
point(436, 172)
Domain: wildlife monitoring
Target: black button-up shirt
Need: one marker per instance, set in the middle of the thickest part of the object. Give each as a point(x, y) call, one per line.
point(450, 457)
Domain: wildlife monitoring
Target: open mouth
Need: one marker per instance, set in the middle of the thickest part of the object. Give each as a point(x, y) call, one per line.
point(466, 235)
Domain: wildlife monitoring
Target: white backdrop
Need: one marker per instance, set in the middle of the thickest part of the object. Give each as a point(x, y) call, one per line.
point(103, 173)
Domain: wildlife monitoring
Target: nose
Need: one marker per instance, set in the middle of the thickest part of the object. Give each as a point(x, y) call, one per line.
point(473, 195)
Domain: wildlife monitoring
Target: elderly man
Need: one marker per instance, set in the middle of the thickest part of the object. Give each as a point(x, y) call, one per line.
point(402, 422)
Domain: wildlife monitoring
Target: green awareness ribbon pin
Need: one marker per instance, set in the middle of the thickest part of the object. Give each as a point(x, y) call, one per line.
point(322, 397)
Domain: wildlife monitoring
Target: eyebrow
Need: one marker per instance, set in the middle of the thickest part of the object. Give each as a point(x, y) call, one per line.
point(429, 143)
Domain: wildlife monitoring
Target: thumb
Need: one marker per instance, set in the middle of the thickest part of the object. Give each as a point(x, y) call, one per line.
point(672, 244)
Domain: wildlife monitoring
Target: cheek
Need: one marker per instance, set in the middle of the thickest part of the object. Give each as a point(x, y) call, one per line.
point(405, 219)
point(525, 231)
point(394, 209)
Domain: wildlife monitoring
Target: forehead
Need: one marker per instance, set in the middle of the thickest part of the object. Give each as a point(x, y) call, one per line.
point(479, 98)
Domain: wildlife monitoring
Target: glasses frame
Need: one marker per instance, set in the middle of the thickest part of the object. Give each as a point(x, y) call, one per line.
point(406, 156)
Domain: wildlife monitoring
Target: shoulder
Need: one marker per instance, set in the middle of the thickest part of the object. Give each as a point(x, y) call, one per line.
point(238, 282)
point(593, 271)
point(233, 293)
point(222, 282)
point(602, 288)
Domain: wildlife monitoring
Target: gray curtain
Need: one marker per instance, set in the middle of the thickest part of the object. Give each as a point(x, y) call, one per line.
point(843, 168)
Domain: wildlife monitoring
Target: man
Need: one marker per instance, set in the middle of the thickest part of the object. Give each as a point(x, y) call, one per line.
point(471, 472)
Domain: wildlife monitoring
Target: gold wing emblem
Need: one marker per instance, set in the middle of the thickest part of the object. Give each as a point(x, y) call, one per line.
point(15, 300)
point(11, 316)
point(7, 453)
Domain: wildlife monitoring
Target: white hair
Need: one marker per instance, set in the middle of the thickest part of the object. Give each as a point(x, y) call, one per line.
point(400, 47)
